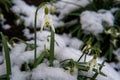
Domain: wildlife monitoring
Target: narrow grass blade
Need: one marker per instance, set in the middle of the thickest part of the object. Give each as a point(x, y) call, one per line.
point(7, 56)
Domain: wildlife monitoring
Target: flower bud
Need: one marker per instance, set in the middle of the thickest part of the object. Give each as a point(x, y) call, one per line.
point(46, 10)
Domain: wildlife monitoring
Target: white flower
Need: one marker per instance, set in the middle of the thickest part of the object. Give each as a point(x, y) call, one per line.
point(92, 64)
point(112, 32)
point(47, 22)
point(114, 41)
point(87, 49)
point(109, 31)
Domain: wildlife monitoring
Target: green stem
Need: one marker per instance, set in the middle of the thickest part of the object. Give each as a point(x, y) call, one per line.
point(35, 43)
point(80, 57)
point(65, 61)
point(35, 27)
point(52, 48)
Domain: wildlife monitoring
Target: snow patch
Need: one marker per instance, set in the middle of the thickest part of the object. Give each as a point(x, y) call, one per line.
point(6, 26)
point(28, 15)
point(67, 6)
point(93, 25)
point(50, 73)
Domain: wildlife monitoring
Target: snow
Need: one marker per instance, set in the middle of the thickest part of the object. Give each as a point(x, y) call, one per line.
point(26, 32)
point(75, 43)
point(19, 75)
point(19, 56)
point(1, 59)
point(66, 47)
point(65, 53)
point(50, 73)
point(115, 9)
point(2, 21)
point(28, 15)
point(65, 41)
point(117, 53)
point(107, 17)
point(71, 41)
point(6, 26)
point(2, 69)
point(20, 8)
point(93, 25)
point(66, 8)
point(111, 73)
point(116, 65)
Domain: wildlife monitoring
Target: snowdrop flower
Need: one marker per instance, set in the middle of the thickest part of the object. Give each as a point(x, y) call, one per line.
point(109, 31)
point(113, 32)
point(47, 21)
point(114, 41)
point(87, 49)
point(92, 64)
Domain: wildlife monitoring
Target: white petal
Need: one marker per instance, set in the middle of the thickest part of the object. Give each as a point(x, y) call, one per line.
point(42, 26)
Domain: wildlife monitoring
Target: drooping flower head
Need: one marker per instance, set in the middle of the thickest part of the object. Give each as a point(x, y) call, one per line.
point(92, 64)
point(47, 22)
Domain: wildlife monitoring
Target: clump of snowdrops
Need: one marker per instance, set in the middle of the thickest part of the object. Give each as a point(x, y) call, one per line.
point(90, 67)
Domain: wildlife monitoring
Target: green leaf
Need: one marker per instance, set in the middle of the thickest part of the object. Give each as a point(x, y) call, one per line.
point(7, 56)
point(6, 4)
point(40, 58)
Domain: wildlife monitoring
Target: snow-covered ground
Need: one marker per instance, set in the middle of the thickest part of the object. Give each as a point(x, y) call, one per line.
point(43, 71)
point(94, 23)
point(66, 47)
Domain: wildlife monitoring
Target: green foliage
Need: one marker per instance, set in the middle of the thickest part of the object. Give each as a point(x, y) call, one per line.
point(28, 46)
point(96, 74)
point(105, 42)
point(103, 45)
point(103, 4)
point(5, 4)
point(70, 65)
point(40, 58)
point(117, 18)
point(7, 56)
